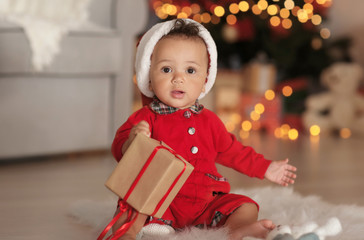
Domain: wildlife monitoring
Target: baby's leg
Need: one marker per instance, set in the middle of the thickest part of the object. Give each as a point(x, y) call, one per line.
point(134, 229)
point(243, 222)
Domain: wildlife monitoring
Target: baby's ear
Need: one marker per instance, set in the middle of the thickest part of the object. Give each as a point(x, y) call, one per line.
point(150, 86)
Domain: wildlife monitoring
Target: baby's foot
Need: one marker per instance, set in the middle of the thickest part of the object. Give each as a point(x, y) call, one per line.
point(259, 229)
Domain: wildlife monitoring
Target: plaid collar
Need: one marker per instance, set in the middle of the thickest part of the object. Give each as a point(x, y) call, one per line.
point(163, 109)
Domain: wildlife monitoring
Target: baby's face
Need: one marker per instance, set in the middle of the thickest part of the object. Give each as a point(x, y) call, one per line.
point(178, 71)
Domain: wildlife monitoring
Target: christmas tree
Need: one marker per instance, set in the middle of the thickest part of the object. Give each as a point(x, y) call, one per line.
point(289, 33)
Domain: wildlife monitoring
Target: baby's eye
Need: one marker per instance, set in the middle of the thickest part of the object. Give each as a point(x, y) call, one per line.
point(166, 69)
point(191, 70)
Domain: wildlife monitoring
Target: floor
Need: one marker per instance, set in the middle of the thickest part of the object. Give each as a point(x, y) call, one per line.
point(36, 193)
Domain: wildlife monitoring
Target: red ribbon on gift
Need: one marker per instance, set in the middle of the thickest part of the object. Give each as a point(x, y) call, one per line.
point(125, 207)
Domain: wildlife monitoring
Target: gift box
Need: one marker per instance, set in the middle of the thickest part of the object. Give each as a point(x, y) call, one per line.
point(149, 176)
point(260, 77)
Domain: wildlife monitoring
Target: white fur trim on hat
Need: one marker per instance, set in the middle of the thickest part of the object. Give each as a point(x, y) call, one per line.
point(146, 47)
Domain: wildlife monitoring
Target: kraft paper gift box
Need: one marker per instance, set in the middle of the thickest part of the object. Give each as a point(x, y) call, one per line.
point(149, 182)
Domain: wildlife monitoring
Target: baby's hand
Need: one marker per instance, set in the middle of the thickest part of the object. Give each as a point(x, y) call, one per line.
point(142, 127)
point(281, 172)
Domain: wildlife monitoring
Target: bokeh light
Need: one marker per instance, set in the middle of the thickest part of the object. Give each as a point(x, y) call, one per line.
point(275, 21)
point(315, 130)
point(287, 91)
point(195, 8)
point(325, 33)
point(287, 23)
point(259, 108)
point(293, 134)
point(316, 19)
point(345, 133)
point(187, 10)
point(254, 116)
point(284, 13)
point(244, 134)
point(256, 10)
point(182, 15)
point(243, 6)
point(231, 19)
point(289, 4)
point(234, 8)
point(246, 125)
point(262, 4)
point(219, 11)
point(269, 95)
point(272, 10)
point(205, 17)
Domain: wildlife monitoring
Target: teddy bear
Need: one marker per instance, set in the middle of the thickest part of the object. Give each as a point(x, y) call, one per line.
point(340, 107)
point(309, 231)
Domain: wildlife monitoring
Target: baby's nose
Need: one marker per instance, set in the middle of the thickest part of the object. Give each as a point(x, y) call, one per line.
point(178, 78)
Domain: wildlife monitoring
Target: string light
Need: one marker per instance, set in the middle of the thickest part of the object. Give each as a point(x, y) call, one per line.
point(219, 11)
point(259, 108)
point(292, 134)
point(231, 19)
point(325, 33)
point(308, 8)
point(285, 128)
point(234, 8)
point(243, 6)
point(254, 116)
point(286, 132)
point(316, 19)
point(182, 15)
point(246, 125)
point(205, 17)
point(289, 4)
point(345, 133)
point(262, 4)
point(287, 91)
point(275, 21)
point(165, 8)
point(284, 13)
point(187, 10)
point(295, 10)
point(195, 8)
point(315, 130)
point(302, 15)
point(215, 19)
point(272, 10)
point(269, 95)
point(235, 118)
point(287, 23)
point(197, 18)
point(256, 10)
point(244, 134)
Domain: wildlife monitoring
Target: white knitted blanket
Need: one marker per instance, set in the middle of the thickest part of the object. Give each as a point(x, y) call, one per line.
point(282, 205)
point(45, 22)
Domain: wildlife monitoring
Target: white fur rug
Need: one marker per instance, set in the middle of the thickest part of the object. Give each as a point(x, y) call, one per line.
point(282, 205)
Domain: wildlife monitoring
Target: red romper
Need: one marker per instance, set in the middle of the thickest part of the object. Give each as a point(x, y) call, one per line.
point(202, 139)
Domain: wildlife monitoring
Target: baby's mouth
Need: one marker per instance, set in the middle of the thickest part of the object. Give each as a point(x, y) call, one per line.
point(177, 94)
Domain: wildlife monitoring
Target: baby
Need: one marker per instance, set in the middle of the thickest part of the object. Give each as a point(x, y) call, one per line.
point(176, 65)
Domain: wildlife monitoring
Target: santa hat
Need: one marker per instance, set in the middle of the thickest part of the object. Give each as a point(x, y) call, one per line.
point(146, 47)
